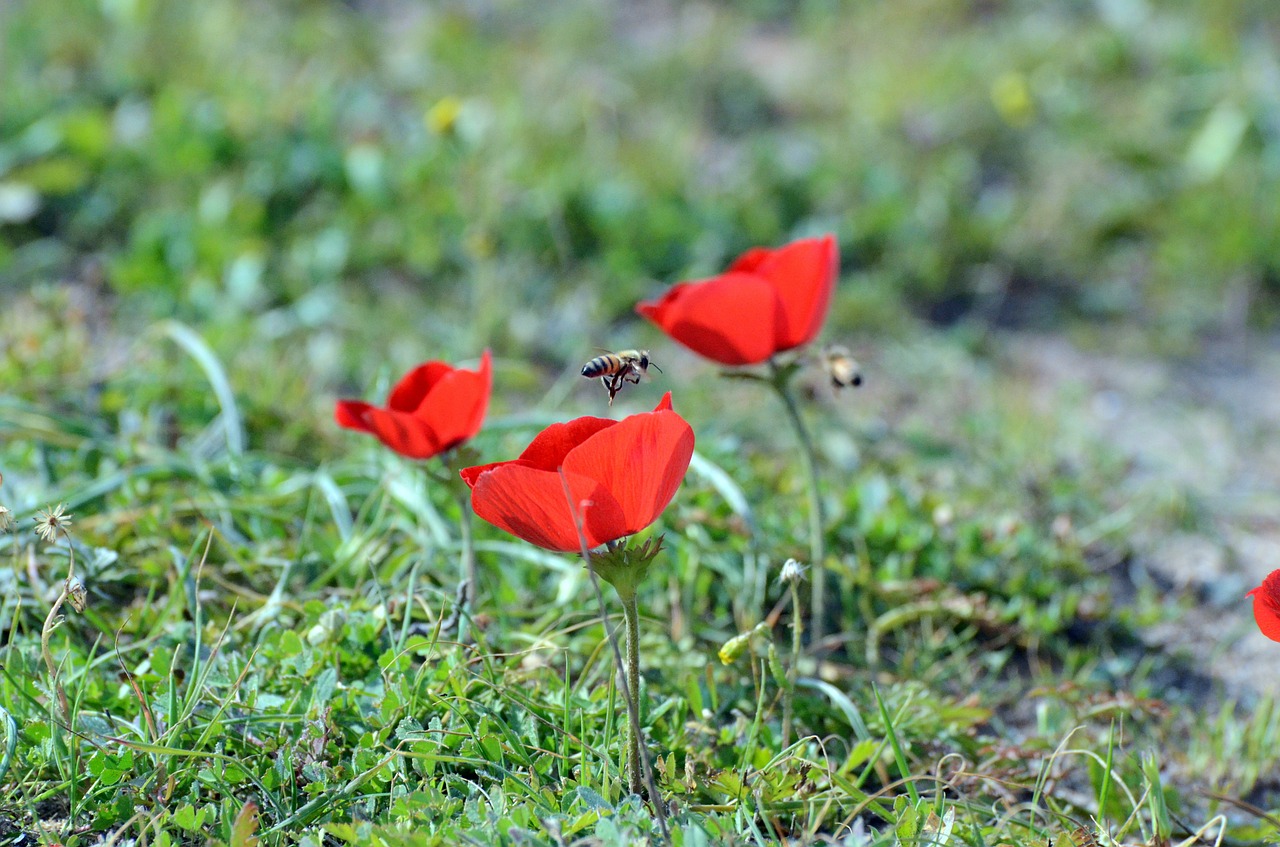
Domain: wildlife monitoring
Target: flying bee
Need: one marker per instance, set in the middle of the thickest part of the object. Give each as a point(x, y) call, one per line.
point(841, 366)
point(617, 369)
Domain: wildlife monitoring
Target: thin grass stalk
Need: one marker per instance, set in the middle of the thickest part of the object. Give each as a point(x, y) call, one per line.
point(407, 620)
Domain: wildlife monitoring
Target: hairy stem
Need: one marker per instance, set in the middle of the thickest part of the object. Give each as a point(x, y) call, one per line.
point(640, 763)
point(51, 622)
point(468, 581)
point(635, 768)
point(781, 384)
point(466, 568)
point(789, 695)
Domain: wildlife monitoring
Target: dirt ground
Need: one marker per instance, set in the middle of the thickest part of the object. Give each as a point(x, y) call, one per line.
point(1192, 444)
point(1202, 458)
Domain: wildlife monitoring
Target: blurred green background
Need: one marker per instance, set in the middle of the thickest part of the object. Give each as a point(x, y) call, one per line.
point(360, 183)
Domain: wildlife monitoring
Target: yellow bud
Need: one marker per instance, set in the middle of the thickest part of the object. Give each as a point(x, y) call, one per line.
point(1011, 96)
point(442, 118)
point(734, 648)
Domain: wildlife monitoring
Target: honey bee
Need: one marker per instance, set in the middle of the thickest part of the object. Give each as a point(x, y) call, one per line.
point(841, 366)
point(617, 369)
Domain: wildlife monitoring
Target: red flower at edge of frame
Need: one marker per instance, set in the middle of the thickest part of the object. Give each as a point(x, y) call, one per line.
point(1266, 605)
point(767, 301)
point(620, 474)
point(433, 408)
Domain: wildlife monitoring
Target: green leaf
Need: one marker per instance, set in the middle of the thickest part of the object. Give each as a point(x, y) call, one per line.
point(188, 818)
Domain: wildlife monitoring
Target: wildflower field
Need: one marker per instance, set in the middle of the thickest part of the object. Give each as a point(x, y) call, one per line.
point(675, 422)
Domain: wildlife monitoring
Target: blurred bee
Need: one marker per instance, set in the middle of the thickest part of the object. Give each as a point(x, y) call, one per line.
point(617, 369)
point(841, 366)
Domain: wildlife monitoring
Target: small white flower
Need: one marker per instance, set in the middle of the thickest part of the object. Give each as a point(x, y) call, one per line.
point(52, 522)
point(6, 519)
point(792, 571)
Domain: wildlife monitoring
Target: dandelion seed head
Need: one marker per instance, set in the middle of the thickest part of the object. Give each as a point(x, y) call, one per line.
point(53, 522)
point(792, 572)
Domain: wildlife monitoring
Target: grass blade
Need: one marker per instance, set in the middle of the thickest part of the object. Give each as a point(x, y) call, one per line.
point(196, 347)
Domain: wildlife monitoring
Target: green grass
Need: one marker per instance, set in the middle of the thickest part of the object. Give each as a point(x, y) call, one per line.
point(246, 210)
point(262, 629)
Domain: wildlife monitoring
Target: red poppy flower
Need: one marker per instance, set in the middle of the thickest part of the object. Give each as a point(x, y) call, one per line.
point(435, 407)
point(766, 302)
point(1266, 605)
point(621, 475)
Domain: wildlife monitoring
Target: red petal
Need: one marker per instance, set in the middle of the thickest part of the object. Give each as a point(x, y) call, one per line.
point(469, 475)
point(350, 415)
point(641, 462)
point(532, 504)
point(453, 409)
point(1271, 588)
point(732, 319)
point(405, 434)
point(407, 394)
point(1267, 616)
point(664, 404)
point(549, 447)
point(750, 261)
point(804, 275)
point(1266, 605)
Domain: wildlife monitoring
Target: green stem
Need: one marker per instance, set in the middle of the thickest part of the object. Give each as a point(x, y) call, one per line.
point(466, 569)
point(788, 696)
point(781, 383)
point(635, 768)
point(51, 622)
point(623, 569)
point(468, 581)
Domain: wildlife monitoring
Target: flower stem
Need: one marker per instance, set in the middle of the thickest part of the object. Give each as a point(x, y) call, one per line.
point(781, 382)
point(466, 569)
point(789, 695)
point(624, 581)
point(51, 622)
point(635, 768)
point(468, 580)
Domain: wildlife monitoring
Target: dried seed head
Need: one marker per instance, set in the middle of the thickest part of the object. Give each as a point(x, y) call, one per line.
point(76, 595)
point(53, 522)
point(792, 572)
